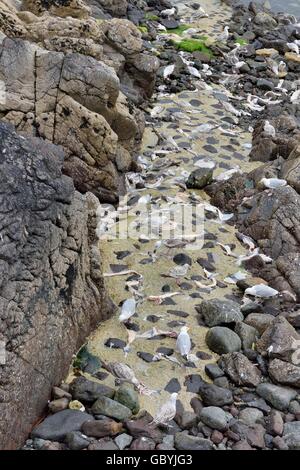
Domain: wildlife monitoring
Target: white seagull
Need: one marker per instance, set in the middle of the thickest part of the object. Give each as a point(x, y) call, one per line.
point(282, 67)
point(295, 97)
point(269, 130)
point(293, 47)
point(183, 343)
point(278, 69)
point(261, 290)
point(168, 12)
point(223, 37)
point(168, 70)
point(127, 310)
point(167, 412)
point(273, 183)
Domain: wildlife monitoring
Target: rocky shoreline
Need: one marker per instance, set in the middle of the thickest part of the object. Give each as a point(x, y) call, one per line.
point(247, 394)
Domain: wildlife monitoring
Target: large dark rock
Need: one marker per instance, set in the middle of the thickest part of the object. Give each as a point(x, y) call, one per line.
point(74, 8)
point(214, 417)
point(222, 340)
point(114, 7)
point(240, 370)
point(141, 428)
point(199, 178)
point(108, 407)
point(266, 148)
point(56, 427)
point(280, 340)
point(253, 434)
point(184, 441)
point(219, 312)
point(212, 395)
point(51, 286)
point(284, 373)
point(279, 397)
point(88, 391)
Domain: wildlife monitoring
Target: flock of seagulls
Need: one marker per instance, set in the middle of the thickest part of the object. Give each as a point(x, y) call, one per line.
point(123, 372)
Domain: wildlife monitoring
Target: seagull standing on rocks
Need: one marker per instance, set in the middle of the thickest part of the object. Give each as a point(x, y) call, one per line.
point(295, 97)
point(293, 47)
point(269, 130)
point(261, 290)
point(282, 68)
point(273, 183)
point(167, 412)
point(183, 343)
point(223, 37)
point(168, 12)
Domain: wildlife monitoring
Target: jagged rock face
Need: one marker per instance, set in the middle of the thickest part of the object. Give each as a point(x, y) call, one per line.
point(266, 148)
point(274, 224)
point(117, 42)
point(72, 100)
point(10, 24)
point(114, 7)
point(51, 286)
point(270, 217)
point(65, 86)
point(75, 8)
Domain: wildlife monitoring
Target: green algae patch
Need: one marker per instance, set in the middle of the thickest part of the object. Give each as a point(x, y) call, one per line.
point(241, 41)
point(179, 30)
point(150, 17)
point(143, 29)
point(192, 45)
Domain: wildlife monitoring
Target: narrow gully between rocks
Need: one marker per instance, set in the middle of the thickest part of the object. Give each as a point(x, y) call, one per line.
point(202, 131)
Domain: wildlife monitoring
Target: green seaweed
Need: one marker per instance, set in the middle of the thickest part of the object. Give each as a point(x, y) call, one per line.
point(143, 29)
point(150, 17)
point(192, 45)
point(241, 41)
point(179, 30)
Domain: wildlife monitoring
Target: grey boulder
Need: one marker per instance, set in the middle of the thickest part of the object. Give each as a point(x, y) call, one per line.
point(279, 397)
point(214, 417)
point(222, 340)
point(57, 426)
point(220, 312)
